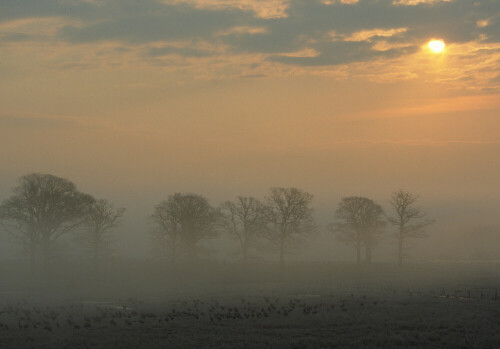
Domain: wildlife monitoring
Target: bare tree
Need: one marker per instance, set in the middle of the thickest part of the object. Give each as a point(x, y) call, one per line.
point(359, 221)
point(43, 208)
point(167, 226)
point(291, 216)
point(245, 219)
point(101, 218)
point(409, 220)
point(184, 220)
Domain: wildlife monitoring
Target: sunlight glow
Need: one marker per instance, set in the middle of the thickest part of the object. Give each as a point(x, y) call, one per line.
point(436, 46)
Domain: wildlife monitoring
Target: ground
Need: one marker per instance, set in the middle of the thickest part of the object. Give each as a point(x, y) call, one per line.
point(376, 319)
point(308, 305)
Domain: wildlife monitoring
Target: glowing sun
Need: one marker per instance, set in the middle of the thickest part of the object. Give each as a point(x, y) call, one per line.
point(436, 46)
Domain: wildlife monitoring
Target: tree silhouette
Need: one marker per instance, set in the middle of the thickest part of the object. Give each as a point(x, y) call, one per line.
point(184, 220)
point(359, 221)
point(290, 214)
point(43, 208)
point(409, 220)
point(100, 219)
point(245, 219)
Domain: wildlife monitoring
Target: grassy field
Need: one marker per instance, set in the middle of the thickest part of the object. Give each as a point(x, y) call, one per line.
point(310, 306)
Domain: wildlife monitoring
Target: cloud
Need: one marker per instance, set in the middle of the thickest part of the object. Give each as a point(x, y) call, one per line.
point(339, 31)
point(495, 80)
point(342, 52)
point(31, 29)
point(182, 51)
point(417, 2)
point(261, 8)
point(12, 9)
point(169, 23)
point(491, 30)
point(15, 37)
point(253, 76)
point(367, 35)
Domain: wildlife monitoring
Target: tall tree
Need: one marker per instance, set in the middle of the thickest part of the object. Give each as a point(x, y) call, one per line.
point(166, 231)
point(291, 216)
point(408, 219)
point(100, 219)
point(184, 220)
point(245, 219)
point(43, 208)
point(359, 221)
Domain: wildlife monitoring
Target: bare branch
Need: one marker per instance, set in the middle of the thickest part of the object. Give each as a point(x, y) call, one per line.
point(358, 222)
point(408, 219)
point(291, 216)
point(186, 219)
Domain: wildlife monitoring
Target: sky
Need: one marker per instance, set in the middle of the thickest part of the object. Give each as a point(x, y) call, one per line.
point(136, 99)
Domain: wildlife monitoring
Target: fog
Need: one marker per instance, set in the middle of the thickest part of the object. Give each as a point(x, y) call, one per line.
point(238, 174)
point(455, 184)
point(134, 290)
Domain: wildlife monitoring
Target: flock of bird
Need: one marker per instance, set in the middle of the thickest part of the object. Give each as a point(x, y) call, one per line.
point(83, 316)
point(131, 323)
point(131, 312)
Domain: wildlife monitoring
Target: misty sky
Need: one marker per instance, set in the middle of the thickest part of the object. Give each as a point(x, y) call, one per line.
point(136, 99)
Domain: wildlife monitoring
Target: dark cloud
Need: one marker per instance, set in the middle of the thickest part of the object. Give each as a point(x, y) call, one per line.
point(341, 52)
point(16, 37)
point(182, 51)
point(492, 30)
point(308, 23)
point(14, 9)
point(168, 23)
point(276, 41)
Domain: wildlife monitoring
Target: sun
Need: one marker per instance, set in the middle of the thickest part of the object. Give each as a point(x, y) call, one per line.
point(436, 46)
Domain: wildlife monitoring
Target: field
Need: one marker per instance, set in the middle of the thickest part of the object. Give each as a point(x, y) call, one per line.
point(426, 306)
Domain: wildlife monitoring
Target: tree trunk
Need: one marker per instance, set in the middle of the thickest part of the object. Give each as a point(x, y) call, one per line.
point(282, 255)
point(368, 253)
point(358, 253)
point(400, 251)
point(96, 261)
point(191, 252)
point(32, 257)
point(46, 257)
point(172, 253)
point(245, 255)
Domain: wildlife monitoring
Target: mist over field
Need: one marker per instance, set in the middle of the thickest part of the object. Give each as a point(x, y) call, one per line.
point(239, 174)
point(249, 272)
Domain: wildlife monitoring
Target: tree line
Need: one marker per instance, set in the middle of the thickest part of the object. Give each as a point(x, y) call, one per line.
point(44, 207)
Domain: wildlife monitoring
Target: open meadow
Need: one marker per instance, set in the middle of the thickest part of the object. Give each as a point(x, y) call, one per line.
point(433, 305)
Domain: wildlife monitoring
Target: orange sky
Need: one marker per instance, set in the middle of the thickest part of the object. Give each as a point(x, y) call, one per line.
point(136, 100)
